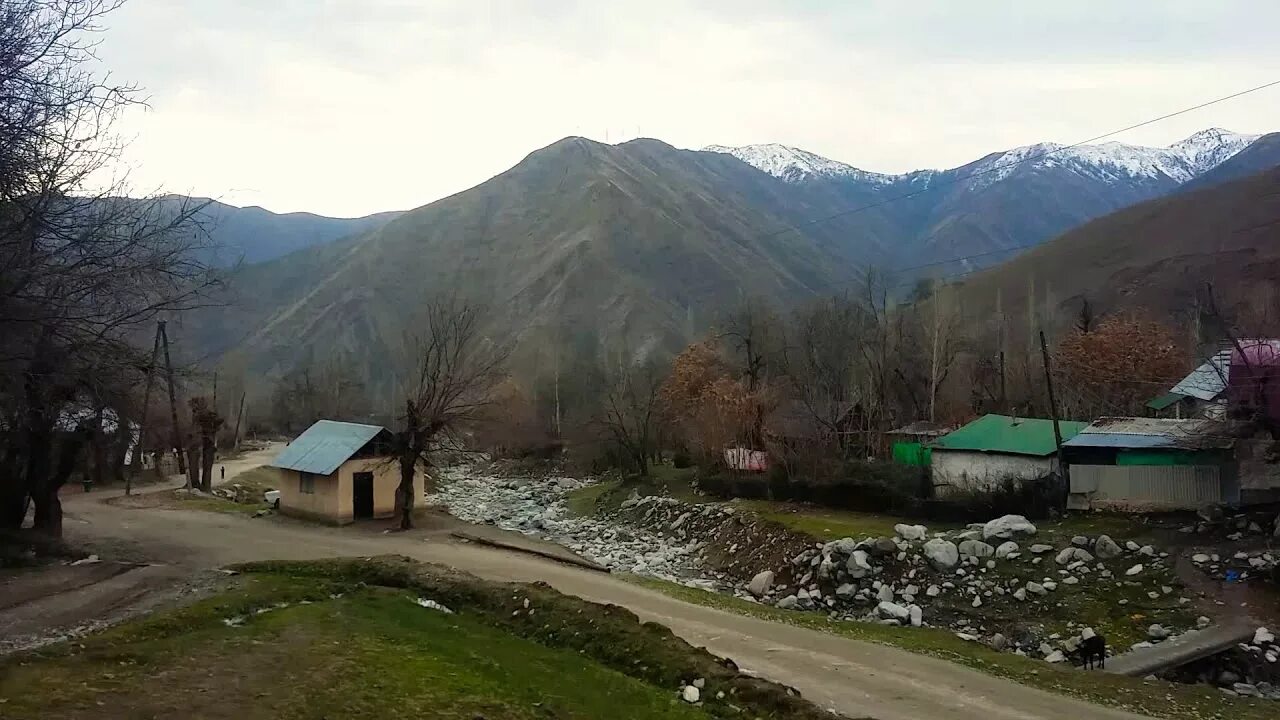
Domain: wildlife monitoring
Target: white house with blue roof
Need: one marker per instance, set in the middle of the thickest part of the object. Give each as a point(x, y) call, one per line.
point(340, 472)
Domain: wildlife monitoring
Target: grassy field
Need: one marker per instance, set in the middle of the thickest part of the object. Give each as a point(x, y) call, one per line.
point(664, 480)
point(252, 484)
point(347, 639)
point(1155, 698)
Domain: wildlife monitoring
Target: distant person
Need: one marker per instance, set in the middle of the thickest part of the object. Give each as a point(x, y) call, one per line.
point(224, 472)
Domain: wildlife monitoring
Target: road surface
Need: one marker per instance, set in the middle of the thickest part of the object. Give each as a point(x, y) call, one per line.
point(853, 678)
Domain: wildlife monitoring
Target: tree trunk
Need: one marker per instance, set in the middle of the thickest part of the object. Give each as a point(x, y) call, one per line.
point(48, 506)
point(404, 493)
point(208, 451)
point(188, 456)
point(13, 490)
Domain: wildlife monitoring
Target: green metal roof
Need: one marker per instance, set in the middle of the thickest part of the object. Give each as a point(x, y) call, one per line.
point(325, 446)
point(1166, 400)
point(1015, 436)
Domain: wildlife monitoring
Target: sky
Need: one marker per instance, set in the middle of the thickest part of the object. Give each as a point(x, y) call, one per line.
point(348, 107)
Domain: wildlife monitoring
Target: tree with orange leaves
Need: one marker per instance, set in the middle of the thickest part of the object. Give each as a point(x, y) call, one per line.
point(1116, 367)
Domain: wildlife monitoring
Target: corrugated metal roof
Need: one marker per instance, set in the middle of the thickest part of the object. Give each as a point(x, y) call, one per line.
point(1207, 381)
point(325, 446)
point(1015, 436)
point(1166, 400)
point(1129, 432)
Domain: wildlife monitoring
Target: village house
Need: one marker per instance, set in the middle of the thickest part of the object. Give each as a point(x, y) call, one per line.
point(995, 449)
point(1150, 464)
point(339, 472)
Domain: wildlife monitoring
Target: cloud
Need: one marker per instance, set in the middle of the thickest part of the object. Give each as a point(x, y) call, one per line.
point(347, 107)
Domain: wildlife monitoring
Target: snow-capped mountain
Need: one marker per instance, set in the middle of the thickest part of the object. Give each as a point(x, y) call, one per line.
point(1111, 161)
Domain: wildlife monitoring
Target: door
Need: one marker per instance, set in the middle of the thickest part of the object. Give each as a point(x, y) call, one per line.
point(362, 495)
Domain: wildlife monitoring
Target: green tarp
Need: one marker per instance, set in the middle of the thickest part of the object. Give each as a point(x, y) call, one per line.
point(912, 453)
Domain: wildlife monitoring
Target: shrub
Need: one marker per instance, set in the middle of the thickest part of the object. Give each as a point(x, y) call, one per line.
point(681, 460)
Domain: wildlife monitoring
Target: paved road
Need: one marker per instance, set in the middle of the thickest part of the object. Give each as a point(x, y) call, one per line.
point(851, 677)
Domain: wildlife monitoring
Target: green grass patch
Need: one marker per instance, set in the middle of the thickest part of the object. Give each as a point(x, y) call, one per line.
point(346, 639)
point(826, 524)
point(606, 496)
point(1154, 698)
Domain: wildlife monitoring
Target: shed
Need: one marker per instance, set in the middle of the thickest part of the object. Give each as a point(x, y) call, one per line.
point(910, 443)
point(1146, 464)
point(995, 449)
point(339, 472)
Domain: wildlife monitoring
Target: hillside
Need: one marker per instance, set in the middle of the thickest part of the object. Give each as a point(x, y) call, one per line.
point(254, 234)
point(635, 247)
point(1156, 256)
point(1261, 155)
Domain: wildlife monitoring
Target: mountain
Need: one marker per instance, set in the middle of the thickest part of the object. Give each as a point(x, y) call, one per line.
point(254, 234)
point(1005, 201)
point(1262, 154)
point(636, 247)
point(1155, 257)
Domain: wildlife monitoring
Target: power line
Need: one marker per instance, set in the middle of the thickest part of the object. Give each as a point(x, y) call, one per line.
point(1029, 158)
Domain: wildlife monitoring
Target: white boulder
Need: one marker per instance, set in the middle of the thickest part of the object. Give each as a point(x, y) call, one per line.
point(1106, 548)
point(942, 554)
point(1008, 527)
point(1006, 549)
point(691, 694)
point(761, 583)
point(910, 532)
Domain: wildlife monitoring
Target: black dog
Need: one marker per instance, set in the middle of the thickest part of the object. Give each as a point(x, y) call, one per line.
point(1093, 647)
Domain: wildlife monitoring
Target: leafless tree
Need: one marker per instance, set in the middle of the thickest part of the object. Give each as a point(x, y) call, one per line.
point(454, 373)
point(753, 339)
point(628, 411)
point(83, 268)
point(824, 361)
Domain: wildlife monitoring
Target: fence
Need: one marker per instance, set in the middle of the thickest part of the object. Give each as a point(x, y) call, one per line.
point(1151, 487)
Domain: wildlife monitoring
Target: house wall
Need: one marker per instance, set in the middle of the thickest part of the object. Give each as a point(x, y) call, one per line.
point(964, 470)
point(386, 478)
point(322, 505)
point(1146, 488)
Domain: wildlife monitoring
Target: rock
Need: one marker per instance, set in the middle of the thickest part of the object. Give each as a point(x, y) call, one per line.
point(967, 636)
point(977, 601)
point(976, 548)
point(917, 615)
point(761, 583)
point(1080, 541)
point(1055, 657)
point(1036, 588)
point(1040, 549)
point(1020, 594)
point(1203, 622)
point(1006, 549)
point(1158, 632)
point(933, 591)
point(691, 694)
point(1106, 548)
point(1263, 636)
point(1246, 690)
point(998, 642)
point(91, 560)
point(1073, 554)
point(1131, 546)
point(941, 554)
point(1070, 580)
point(680, 521)
point(1147, 550)
point(884, 546)
point(1136, 569)
point(1087, 633)
point(859, 560)
point(885, 593)
point(893, 611)
point(1228, 678)
point(1050, 585)
point(846, 591)
point(1199, 558)
point(700, 683)
point(1007, 528)
point(788, 603)
point(910, 532)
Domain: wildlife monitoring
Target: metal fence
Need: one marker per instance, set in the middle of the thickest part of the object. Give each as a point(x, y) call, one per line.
point(1152, 487)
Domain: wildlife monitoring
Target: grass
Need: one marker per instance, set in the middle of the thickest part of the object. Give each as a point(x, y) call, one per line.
point(664, 480)
point(252, 483)
point(1155, 698)
point(345, 639)
point(827, 524)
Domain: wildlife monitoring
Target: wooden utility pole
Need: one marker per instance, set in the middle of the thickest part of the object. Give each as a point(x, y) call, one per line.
point(142, 423)
point(1053, 403)
point(1004, 394)
point(235, 434)
point(178, 445)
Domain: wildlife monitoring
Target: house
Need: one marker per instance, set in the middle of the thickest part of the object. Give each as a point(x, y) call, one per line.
point(994, 449)
point(1208, 390)
point(910, 443)
point(1151, 464)
point(340, 472)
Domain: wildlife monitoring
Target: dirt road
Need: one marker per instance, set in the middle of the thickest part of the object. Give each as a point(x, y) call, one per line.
point(850, 677)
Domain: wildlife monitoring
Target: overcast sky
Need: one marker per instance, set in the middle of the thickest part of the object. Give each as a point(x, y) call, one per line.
point(346, 107)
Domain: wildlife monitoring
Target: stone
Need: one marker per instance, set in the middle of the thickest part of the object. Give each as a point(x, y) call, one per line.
point(859, 560)
point(1080, 541)
point(910, 532)
point(1228, 678)
point(1246, 690)
point(691, 694)
point(885, 593)
point(1147, 550)
point(1036, 588)
point(788, 603)
point(1131, 546)
point(1158, 632)
point(1087, 633)
point(846, 591)
point(761, 584)
point(1006, 549)
point(1020, 594)
point(941, 554)
point(1050, 585)
point(1070, 580)
point(1199, 558)
point(893, 611)
point(1007, 528)
point(1073, 554)
point(1055, 657)
point(1136, 569)
point(977, 601)
point(976, 548)
point(998, 642)
point(933, 591)
point(917, 615)
point(1263, 636)
point(1106, 548)
point(1040, 549)
point(967, 636)
point(884, 546)
point(1203, 622)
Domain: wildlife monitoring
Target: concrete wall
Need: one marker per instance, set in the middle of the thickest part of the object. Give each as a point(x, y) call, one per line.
point(962, 470)
point(333, 500)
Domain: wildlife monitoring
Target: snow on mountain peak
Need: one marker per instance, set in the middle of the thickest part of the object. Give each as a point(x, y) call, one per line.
point(793, 164)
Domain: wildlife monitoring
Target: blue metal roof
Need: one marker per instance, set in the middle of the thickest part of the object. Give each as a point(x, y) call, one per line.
point(325, 446)
point(1152, 433)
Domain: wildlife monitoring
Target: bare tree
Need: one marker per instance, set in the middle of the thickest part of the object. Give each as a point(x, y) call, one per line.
point(455, 371)
point(754, 339)
point(628, 414)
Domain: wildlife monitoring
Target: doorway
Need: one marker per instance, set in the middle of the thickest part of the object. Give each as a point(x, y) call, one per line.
point(362, 495)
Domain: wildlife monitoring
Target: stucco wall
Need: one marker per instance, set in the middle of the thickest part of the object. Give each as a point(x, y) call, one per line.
point(322, 504)
point(956, 469)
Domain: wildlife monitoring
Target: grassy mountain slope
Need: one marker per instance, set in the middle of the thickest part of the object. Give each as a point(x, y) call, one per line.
point(1156, 256)
point(637, 246)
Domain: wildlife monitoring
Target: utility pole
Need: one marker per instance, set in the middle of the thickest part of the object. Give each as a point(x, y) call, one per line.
point(1053, 404)
point(173, 406)
point(142, 423)
point(1004, 395)
point(235, 435)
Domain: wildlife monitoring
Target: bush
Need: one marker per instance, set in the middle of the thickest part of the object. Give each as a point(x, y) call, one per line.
point(860, 485)
point(1035, 499)
point(681, 460)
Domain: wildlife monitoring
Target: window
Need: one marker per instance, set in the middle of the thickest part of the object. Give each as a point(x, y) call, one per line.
point(306, 483)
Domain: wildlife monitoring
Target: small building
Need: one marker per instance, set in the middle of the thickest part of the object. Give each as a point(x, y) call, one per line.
point(995, 449)
point(909, 444)
point(1231, 380)
point(339, 472)
point(1150, 464)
